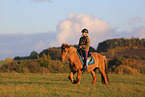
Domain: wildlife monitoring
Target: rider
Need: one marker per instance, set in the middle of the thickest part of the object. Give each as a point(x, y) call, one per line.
point(84, 44)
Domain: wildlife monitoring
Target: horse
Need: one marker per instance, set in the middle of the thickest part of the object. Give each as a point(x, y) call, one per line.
point(69, 52)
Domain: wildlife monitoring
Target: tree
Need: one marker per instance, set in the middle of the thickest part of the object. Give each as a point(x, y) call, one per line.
point(33, 55)
point(9, 61)
point(44, 61)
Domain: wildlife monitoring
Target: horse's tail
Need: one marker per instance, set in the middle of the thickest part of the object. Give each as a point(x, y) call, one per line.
point(106, 68)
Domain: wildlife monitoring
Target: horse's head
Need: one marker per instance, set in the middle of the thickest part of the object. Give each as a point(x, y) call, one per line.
point(66, 51)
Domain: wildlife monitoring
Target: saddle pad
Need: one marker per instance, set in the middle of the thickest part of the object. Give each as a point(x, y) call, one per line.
point(90, 62)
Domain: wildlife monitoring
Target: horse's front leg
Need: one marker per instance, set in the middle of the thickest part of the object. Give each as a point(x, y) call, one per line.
point(94, 77)
point(70, 77)
point(79, 77)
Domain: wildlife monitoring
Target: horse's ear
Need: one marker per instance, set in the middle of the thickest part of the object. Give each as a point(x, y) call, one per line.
point(69, 45)
point(65, 45)
point(62, 46)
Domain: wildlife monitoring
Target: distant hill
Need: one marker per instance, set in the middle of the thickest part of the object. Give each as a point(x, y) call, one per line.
point(137, 52)
point(120, 44)
point(54, 53)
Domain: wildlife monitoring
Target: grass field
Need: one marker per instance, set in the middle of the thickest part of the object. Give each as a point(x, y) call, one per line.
point(58, 85)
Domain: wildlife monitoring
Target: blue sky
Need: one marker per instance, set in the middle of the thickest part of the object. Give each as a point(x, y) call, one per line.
point(25, 24)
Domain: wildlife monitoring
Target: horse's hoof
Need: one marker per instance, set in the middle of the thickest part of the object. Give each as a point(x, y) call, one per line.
point(93, 83)
point(107, 83)
point(74, 82)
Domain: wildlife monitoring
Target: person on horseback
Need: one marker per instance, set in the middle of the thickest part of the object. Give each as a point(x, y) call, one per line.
point(84, 44)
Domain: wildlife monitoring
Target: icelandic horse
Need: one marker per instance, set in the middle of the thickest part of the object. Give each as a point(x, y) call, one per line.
point(69, 52)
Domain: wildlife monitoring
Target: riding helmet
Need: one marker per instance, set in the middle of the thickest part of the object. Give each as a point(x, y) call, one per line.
point(85, 30)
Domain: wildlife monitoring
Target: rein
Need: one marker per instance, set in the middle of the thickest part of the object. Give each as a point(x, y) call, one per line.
point(69, 54)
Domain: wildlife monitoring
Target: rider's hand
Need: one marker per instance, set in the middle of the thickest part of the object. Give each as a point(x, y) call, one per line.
point(80, 46)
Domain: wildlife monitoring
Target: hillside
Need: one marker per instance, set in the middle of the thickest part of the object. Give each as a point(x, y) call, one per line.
point(136, 52)
point(133, 58)
point(54, 53)
point(139, 53)
point(120, 44)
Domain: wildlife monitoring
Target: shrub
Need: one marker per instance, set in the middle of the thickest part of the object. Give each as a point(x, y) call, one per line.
point(112, 64)
point(4, 68)
point(34, 67)
point(44, 61)
point(135, 57)
point(129, 62)
point(143, 58)
point(142, 69)
point(122, 69)
point(22, 67)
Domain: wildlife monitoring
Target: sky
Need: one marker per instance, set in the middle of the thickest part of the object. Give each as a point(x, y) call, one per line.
point(35, 25)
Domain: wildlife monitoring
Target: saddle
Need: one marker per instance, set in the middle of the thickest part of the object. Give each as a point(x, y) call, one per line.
point(90, 58)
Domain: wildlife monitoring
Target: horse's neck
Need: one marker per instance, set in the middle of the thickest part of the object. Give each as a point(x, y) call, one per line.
point(74, 58)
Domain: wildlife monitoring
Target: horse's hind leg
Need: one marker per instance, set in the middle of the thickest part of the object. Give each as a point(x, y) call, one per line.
point(70, 77)
point(94, 77)
point(104, 77)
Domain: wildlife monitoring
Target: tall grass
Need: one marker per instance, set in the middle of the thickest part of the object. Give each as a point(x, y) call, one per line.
point(54, 85)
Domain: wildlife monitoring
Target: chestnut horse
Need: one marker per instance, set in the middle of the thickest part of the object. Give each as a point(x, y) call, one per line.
point(70, 53)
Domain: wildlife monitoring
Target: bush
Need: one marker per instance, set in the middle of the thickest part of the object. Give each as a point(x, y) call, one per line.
point(122, 69)
point(4, 68)
point(142, 69)
point(135, 57)
point(143, 58)
point(112, 64)
point(22, 67)
point(129, 62)
point(115, 64)
point(34, 67)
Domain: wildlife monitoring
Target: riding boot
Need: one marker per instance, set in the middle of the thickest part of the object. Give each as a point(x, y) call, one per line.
point(85, 67)
point(85, 54)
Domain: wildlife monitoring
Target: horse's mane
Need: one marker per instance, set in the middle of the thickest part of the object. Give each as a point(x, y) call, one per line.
point(63, 46)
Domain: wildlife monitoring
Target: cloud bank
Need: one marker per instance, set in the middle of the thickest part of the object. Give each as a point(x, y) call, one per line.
point(67, 31)
point(70, 29)
point(140, 32)
point(24, 44)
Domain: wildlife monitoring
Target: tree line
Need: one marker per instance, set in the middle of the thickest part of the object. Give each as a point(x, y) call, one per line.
point(45, 64)
point(47, 61)
point(121, 44)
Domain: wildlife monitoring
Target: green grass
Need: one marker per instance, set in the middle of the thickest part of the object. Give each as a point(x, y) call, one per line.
point(58, 85)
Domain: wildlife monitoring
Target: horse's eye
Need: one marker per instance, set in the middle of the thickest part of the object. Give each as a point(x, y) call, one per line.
point(63, 50)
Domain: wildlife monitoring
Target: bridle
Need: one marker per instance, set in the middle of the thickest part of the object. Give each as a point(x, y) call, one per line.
point(66, 56)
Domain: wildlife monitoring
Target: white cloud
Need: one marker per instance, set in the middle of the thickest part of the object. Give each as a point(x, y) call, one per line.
point(134, 32)
point(70, 29)
point(141, 32)
point(135, 21)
